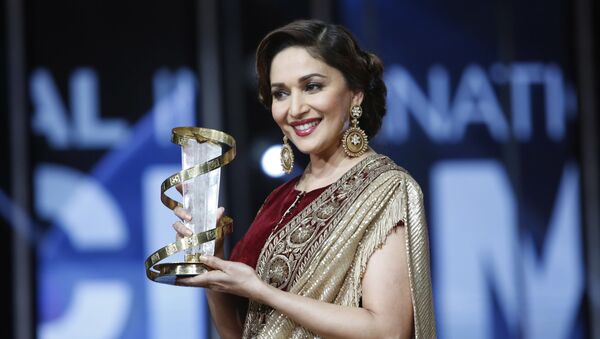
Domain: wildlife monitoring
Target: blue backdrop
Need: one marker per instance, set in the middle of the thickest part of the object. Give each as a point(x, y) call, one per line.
point(482, 111)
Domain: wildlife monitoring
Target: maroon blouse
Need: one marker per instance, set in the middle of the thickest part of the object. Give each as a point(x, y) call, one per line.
point(247, 250)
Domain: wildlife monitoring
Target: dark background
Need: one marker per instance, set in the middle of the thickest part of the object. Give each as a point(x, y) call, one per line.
point(126, 43)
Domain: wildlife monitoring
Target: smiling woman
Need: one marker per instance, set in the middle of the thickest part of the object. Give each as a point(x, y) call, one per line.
point(342, 250)
point(310, 101)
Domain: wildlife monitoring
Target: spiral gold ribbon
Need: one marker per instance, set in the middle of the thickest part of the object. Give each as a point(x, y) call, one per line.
point(166, 272)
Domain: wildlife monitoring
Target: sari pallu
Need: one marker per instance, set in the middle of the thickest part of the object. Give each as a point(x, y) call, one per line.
point(323, 252)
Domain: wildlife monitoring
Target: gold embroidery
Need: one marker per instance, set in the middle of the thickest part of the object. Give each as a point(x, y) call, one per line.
point(323, 251)
point(287, 251)
point(278, 271)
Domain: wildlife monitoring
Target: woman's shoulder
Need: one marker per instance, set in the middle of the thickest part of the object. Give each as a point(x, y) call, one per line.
point(395, 170)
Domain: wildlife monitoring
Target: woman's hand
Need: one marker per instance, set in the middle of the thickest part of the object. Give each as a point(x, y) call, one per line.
point(183, 231)
point(226, 276)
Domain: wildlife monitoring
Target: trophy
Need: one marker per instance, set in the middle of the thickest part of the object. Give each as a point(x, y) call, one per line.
point(202, 158)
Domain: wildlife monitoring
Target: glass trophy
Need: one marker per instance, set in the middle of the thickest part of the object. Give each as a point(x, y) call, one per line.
point(201, 194)
point(202, 158)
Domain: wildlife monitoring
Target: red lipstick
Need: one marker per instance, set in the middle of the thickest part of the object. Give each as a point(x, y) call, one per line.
point(305, 127)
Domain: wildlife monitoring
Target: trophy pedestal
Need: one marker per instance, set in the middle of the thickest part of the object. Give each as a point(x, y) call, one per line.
point(169, 272)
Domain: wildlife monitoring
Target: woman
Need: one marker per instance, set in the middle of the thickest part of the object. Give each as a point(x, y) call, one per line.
point(342, 250)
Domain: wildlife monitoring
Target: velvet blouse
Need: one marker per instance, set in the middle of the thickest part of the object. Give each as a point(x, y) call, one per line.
point(269, 220)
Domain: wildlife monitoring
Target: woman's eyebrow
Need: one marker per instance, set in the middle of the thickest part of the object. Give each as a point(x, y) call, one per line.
point(301, 79)
point(308, 76)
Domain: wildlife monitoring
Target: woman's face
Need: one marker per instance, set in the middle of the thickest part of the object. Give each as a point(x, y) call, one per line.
point(311, 101)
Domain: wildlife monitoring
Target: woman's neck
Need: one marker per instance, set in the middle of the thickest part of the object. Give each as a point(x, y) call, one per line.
point(325, 170)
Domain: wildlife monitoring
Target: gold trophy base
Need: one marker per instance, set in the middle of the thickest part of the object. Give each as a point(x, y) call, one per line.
point(169, 272)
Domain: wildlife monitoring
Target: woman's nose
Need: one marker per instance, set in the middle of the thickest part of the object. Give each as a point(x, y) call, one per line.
point(297, 105)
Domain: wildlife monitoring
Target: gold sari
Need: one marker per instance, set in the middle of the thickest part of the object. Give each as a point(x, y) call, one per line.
point(322, 253)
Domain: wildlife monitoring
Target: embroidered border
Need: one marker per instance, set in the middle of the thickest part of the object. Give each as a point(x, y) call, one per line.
point(287, 252)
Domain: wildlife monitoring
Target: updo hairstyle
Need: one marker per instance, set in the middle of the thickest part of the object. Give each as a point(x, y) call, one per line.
point(335, 46)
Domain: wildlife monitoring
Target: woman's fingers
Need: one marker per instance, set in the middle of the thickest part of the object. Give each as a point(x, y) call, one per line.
point(214, 262)
point(182, 230)
point(182, 213)
point(220, 212)
point(207, 279)
point(226, 276)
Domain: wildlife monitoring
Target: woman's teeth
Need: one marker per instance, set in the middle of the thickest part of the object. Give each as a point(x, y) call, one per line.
point(306, 126)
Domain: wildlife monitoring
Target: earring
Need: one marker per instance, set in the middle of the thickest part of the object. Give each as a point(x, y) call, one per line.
point(286, 156)
point(355, 140)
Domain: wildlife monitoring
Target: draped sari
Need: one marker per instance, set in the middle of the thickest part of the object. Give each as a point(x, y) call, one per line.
point(323, 251)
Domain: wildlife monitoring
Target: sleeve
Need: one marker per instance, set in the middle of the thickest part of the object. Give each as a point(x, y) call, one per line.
point(417, 243)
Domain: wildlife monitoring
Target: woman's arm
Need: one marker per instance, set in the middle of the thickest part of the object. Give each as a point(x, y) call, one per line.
point(224, 309)
point(386, 310)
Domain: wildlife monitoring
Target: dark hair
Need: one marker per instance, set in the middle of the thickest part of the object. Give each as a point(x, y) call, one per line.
point(334, 45)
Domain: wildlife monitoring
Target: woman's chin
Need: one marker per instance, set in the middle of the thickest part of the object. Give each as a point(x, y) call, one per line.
point(319, 151)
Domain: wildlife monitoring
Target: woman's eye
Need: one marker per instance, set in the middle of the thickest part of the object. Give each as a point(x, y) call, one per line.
point(313, 86)
point(278, 94)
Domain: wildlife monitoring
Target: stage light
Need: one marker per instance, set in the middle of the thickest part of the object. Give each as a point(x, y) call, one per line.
point(270, 162)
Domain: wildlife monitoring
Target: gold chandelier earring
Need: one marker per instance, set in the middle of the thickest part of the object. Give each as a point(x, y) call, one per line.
point(286, 156)
point(355, 140)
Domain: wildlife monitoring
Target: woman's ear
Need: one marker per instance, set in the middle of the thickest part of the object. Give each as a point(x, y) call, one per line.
point(357, 98)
